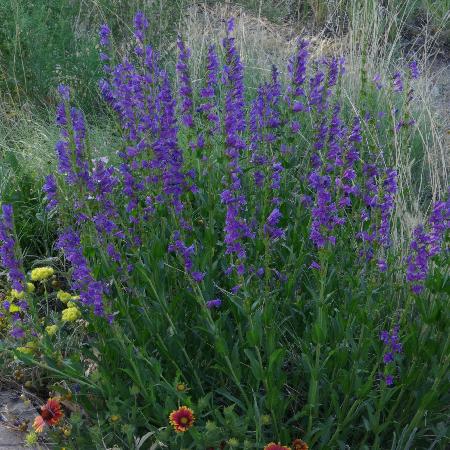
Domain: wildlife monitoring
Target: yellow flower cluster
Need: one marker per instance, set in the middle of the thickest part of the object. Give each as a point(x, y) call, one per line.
point(63, 296)
point(42, 273)
point(51, 330)
point(31, 438)
point(71, 314)
point(13, 308)
point(28, 349)
point(17, 294)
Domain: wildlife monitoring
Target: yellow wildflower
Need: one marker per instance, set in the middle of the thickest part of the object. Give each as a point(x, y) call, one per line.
point(17, 294)
point(265, 419)
point(63, 296)
point(31, 438)
point(115, 418)
point(51, 330)
point(71, 314)
point(31, 287)
point(71, 304)
point(13, 308)
point(26, 350)
point(42, 273)
point(32, 344)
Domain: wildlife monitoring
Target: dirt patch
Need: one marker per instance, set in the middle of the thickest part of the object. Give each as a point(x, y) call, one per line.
point(17, 412)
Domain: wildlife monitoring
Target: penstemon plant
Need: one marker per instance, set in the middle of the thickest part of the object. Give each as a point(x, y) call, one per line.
point(227, 278)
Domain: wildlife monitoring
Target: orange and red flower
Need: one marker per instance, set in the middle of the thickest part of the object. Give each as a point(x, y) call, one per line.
point(182, 419)
point(50, 414)
point(298, 444)
point(273, 446)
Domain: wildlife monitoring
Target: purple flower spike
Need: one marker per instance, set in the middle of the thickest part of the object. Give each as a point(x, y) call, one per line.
point(64, 92)
point(398, 82)
point(198, 276)
point(427, 244)
point(104, 34)
point(393, 347)
point(297, 66)
point(185, 84)
point(230, 25)
point(414, 68)
point(8, 250)
point(91, 291)
point(216, 303)
point(377, 81)
point(17, 333)
point(50, 190)
point(236, 228)
point(271, 227)
point(208, 92)
point(186, 253)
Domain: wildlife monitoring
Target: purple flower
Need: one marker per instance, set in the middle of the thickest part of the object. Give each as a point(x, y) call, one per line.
point(333, 70)
point(9, 251)
point(216, 303)
point(64, 92)
point(297, 71)
point(235, 289)
point(427, 244)
point(377, 81)
point(17, 333)
point(271, 226)
point(140, 25)
point(317, 96)
point(398, 82)
point(168, 155)
point(71, 151)
point(90, 290)
point(208, 92)
point(51, 191)
point(414, 68)
point(198, 276)
point(236, 228)
point(186, 253)
point(104, 34)
point(382, 265)
point(392, 347)
point(185, 84)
